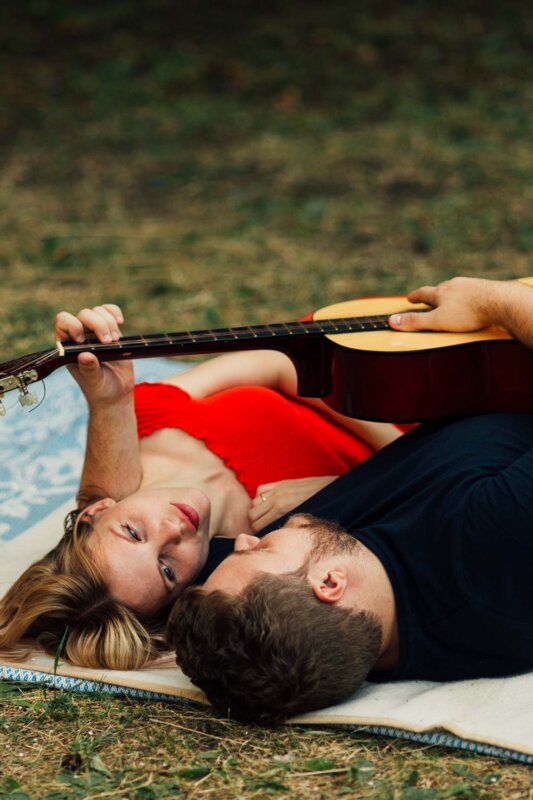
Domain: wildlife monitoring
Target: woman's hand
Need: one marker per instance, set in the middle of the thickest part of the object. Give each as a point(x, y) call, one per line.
point(274, 499)
point(102, 384)
point(460, 304)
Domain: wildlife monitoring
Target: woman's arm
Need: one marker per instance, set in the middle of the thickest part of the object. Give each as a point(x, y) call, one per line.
point(250, 368)
point(274, 370)
point(467, 304)
point(112, 465)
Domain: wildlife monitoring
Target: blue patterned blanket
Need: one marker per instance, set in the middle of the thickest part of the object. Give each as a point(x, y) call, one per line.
point(42, 448)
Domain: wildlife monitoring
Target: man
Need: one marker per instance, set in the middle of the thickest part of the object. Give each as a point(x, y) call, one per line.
point(433, 580)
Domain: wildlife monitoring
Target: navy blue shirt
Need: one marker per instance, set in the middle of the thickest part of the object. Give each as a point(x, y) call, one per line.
point(447, 510)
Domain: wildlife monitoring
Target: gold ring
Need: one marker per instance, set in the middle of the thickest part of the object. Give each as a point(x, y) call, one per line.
point(263, 498)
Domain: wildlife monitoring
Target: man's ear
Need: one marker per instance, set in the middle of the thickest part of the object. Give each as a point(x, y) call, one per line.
point(330, 585)
point(96, 508)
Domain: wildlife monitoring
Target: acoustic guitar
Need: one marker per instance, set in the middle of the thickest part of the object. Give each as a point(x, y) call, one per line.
point(347, 355)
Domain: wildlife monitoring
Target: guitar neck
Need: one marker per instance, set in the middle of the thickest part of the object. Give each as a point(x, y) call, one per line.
point(278, 336)
point(304, 342)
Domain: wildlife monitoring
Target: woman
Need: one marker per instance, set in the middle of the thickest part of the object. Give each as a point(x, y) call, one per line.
point(210, 451)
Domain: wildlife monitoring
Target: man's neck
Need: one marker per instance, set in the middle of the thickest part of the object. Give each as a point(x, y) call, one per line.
point(374, 593)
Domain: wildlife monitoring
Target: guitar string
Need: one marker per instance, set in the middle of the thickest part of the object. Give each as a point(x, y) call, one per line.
point(188, 338)
point(226, 334)
point(41, 401)
point(21, 364)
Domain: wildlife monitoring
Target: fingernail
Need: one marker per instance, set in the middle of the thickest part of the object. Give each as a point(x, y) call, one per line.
point(106, 337)
point(395, 319)
point(116, 336)
point(79, 338)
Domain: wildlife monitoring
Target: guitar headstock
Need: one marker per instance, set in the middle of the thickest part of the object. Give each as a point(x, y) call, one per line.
point(20, 373)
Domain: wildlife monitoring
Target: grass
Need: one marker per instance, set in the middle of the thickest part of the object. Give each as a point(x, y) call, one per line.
point(236, 163)
point(61, 746)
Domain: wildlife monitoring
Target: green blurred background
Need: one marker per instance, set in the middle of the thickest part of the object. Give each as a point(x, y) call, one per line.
point(207, 164)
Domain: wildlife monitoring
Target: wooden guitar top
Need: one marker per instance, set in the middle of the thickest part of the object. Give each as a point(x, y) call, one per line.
point(389, 341)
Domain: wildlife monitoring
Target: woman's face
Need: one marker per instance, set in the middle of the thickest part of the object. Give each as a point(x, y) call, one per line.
point(151, 545)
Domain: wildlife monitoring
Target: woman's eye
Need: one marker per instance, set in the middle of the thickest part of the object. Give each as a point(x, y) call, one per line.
point(132, 532)
point(168, 573)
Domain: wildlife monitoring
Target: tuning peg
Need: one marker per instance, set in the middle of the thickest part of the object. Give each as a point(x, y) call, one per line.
point(27, 398)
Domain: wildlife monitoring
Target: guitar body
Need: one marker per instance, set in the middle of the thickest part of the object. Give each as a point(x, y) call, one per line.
point(391, 375)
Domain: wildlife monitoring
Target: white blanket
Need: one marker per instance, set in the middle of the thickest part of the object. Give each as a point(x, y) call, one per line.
point(44, 455)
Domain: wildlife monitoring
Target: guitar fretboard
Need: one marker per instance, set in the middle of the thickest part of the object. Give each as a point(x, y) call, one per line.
point(242, 333)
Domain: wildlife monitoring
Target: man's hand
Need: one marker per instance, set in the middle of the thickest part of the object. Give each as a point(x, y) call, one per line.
point(102, 384)
point(460, 304)
point(274, 499)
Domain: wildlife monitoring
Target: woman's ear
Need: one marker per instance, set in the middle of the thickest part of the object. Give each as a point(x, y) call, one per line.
point(96, 508)
point(330, 586)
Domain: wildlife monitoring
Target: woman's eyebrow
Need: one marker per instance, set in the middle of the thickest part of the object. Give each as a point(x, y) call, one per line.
point(121, 533)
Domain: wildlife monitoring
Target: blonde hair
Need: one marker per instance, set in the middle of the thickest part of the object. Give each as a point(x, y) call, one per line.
point(63, 599)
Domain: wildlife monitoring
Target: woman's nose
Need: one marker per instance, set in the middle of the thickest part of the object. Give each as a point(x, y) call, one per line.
point(170, 533)
point(245, 542)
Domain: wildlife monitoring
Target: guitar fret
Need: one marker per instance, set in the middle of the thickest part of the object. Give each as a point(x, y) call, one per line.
point(203, 336)
point(293, 327)
point(262, 332)
point(239, 333)
point(277, 329)
point(274, 330)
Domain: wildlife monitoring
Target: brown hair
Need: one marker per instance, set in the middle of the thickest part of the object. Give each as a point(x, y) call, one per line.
point(275, 650)
point(64, 595)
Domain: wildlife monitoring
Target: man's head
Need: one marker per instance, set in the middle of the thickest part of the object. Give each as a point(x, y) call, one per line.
point(277, 629)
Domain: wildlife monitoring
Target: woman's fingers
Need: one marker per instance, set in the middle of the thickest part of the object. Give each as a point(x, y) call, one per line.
point(264, 499)
point(89, 367)
point(97, 322)
point(103, 321)
point(261, 508)
point(265, 488)
point(115, 311)
point(67, 326)
point(107, 316)
point(261, 515)
point(272, 500)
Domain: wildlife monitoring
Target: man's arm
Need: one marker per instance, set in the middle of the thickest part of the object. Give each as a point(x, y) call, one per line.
point(112, 464)
point(467, 304)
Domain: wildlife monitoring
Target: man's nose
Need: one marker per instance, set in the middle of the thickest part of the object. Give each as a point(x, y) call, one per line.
point(245, 542)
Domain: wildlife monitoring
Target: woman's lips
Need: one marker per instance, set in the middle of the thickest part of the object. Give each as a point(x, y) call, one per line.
point(189, 512)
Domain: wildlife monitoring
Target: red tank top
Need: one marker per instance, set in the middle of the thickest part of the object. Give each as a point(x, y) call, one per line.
point(260, 434)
